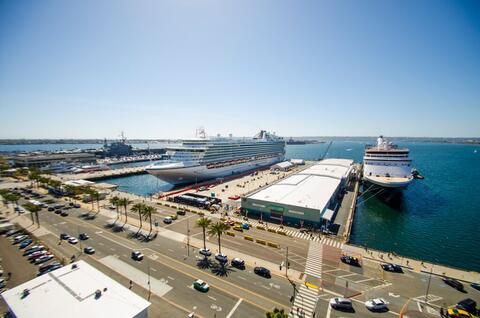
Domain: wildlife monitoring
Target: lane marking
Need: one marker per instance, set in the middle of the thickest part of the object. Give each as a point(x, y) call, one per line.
point(212, 298)
point(234, 308)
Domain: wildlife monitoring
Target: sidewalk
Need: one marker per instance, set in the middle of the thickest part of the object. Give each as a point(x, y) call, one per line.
point(418, 266)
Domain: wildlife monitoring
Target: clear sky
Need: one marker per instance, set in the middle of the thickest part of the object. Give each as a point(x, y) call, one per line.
point(159, 69)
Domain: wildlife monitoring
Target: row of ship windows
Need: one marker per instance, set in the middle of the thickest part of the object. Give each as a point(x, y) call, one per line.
point(387, 164)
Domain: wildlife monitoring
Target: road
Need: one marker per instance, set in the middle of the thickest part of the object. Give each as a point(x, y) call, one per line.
point(241, 293)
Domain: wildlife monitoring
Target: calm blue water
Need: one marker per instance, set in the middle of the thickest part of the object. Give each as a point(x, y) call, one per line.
point(436, 219)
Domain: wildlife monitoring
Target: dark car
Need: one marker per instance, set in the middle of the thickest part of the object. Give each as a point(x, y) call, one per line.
point(64, 213)
point(33, 249)
point(238, 263)
point(50, 269)
point(83, 236)
point(44, 267)
point(89, 250)
point(262, 271)
point(350, 260)
point(71, 204)
point(453, 283)
point(76, 206)
point(181, 212)
point(51, 209)
point(58, 211)
point(64, 236)
point(392, 268)
point(25, 243)
point(468, 305)
point(137, 256)
point(475, 286)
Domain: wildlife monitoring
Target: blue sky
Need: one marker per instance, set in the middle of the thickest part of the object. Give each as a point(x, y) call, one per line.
point(158, 69)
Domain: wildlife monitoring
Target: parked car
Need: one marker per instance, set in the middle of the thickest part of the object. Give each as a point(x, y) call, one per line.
point(36, 254)
point(25, 243)
point(50, 269)
point(262, 271)
point(246, 226)
point(238, 263)
point(45, 267)
point(19, 239)
point(64, 213)
point(72, 240)
point(64, 236)
point(392, 268)
point(341, 303)
point(200, 285)
point(58, 211)
point(453, 283)
point(475, 286)
point(222, 258)
point(137, 256)
point(205, 252)
point(83, 236)
point(229, 222)
point(167, 220)
point(89, 250)
point(350, 260)
point(43, 259)
point(51, 208)
point(377, 304)
point(467, 304)
point(76, 206)
point(181, 212)
point(33, 249)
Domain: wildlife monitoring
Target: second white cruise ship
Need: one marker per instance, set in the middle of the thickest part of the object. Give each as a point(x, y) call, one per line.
point(205, 158)
point(387, 166)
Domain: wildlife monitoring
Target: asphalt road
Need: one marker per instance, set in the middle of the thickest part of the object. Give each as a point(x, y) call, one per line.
point(237, 293)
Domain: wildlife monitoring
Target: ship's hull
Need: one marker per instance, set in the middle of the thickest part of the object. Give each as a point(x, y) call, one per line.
point(194, 174)
point(388, 183)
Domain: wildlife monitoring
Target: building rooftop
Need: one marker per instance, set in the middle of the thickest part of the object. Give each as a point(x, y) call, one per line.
point(71, 292)
point(311, 188)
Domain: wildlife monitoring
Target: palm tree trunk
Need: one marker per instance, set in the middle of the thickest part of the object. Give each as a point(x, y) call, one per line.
point(219, 246)
point(126, 215)
point(118, 215)
point(141, 224)
point(204, 238)
point(150, 219)
point(38, 219)
point(31, 215)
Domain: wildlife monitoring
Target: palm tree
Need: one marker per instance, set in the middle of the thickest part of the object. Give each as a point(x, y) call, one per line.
point(218, 229)
point(204, 223)
point(34, 209)
point(147, 213)
point(139, 208)
point(96, 195)
point(125, 202)
point(70, 191)
point(115, 201)
point(276, 313)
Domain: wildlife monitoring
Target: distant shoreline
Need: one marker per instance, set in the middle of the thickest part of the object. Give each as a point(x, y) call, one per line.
point(455, 140)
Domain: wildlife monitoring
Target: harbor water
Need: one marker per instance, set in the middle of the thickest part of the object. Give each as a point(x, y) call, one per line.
point(435, 219)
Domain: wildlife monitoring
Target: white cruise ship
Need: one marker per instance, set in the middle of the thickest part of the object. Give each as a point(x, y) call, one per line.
point(386, 165)
point(205, 158)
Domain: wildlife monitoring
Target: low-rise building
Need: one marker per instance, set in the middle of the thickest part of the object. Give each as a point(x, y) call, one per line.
point(304, 197)
point(77, 290)
point(44, 159)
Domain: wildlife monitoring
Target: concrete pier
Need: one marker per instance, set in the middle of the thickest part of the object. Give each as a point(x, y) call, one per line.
point(99, 175)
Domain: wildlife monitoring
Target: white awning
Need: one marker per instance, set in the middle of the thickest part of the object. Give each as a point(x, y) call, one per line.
point(328, 215)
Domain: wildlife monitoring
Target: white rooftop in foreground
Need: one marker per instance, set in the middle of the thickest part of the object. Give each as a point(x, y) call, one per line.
point(311, 188)
point(69, 292)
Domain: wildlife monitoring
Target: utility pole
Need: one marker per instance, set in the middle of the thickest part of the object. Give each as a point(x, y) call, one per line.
point(149, 289)
point(286, 263)
point(78, 231)
point(188, 239)
point(428, 286)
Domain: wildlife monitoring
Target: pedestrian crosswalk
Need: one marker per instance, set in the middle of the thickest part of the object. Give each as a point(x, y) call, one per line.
point(305, 303)
point(314, 260)
point(306, 300)
point(301, 235)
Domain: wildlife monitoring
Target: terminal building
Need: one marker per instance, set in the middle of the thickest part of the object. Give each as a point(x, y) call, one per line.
point(42, 160)
point(74, 291)
point(309, 197)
